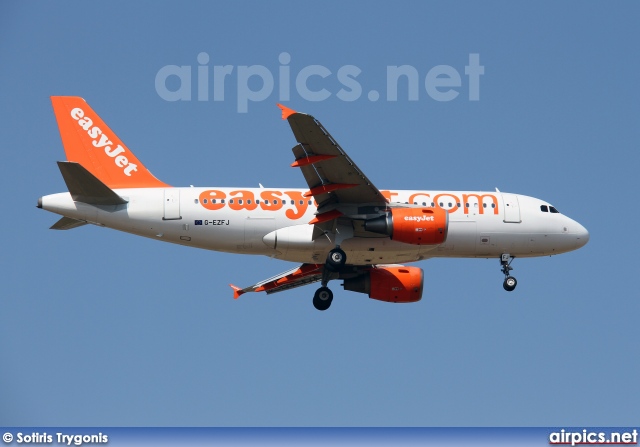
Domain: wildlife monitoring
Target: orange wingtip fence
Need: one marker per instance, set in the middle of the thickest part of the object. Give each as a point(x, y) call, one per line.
point(286, 111)
point(237, 291)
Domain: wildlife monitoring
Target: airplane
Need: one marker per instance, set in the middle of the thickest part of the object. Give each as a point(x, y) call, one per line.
point(342, 227)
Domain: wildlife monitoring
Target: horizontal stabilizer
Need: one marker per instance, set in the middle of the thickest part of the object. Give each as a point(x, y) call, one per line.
point(85, 187)
point(67, 223)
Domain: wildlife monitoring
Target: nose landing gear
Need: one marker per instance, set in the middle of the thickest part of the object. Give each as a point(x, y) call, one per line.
point(510, 282)
point(323, 297)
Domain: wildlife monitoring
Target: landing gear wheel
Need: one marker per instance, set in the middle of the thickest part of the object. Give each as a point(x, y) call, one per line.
point(509, 284)
point(322, 298)
point(336, 259)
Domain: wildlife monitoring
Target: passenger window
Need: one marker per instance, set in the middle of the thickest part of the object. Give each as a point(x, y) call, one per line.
point(553, 210)
point(484, 205)
point(493, 205)
point(231, 201)
point(449, 204)
point(544, 208)
point(302, 202)
point(213, 200)
point(248, 202)
point(424, 203)
point(222, 200)
point(195, 201)
point(441, 204)
point(204, 201)
point(309, 202)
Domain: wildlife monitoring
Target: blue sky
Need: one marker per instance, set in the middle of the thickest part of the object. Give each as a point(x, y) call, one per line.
point(103, 328)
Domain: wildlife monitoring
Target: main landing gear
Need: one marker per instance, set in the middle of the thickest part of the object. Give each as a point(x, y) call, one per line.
point(510, 282)
point(323, 297)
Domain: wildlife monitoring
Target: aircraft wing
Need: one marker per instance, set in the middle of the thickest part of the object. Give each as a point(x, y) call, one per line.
point(299, 276)
point(333, 178)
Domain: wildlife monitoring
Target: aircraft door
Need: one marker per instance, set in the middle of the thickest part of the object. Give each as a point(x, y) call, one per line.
point(511, 208)
point(172, 204)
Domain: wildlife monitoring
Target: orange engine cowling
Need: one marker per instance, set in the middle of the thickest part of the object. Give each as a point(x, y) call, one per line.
point(417, 226)
point(391, 284)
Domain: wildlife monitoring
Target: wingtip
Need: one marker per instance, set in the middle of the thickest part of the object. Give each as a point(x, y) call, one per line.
point(237, 291)
point(286, 111)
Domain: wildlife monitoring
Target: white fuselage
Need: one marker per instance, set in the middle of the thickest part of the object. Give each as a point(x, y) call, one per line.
point(275, 223)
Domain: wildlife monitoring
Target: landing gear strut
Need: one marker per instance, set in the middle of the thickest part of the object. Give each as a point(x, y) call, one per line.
point(324, 296)
point(510, 282)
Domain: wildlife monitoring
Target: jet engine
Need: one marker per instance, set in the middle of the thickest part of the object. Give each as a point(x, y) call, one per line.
point(392, 284)
point(417, 226)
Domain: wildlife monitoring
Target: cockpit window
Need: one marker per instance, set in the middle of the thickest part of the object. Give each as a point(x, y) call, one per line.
point(553, 210)
point(544, 208)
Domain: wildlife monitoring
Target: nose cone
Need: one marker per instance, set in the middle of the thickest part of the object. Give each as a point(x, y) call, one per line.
point(582, 236)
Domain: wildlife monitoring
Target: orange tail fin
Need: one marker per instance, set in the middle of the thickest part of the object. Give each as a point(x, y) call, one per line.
point(89, 141)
